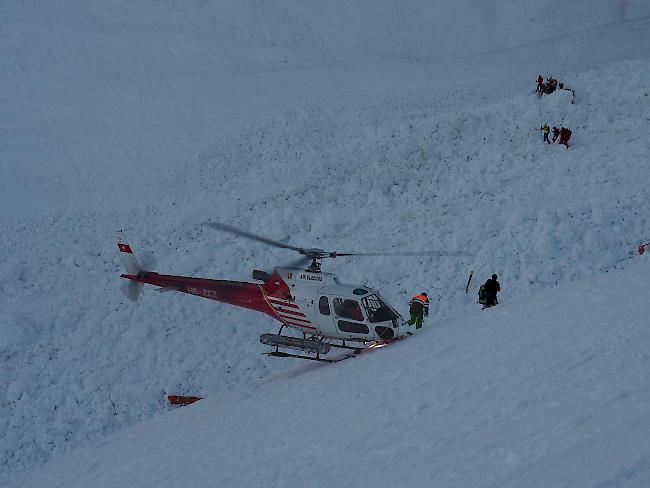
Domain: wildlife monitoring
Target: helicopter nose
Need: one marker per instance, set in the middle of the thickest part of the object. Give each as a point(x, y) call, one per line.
point(401, 327)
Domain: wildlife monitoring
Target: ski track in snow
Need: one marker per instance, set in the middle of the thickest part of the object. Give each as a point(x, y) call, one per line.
point(444, 165)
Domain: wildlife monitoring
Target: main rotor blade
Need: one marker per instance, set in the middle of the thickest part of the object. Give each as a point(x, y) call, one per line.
point(430, 253)
point(254, 237)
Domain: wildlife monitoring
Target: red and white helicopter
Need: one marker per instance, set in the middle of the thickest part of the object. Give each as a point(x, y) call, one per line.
point(320, 311)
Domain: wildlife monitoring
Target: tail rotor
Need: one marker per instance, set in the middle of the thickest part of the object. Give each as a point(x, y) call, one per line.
point(132, 266)
point(134, 290)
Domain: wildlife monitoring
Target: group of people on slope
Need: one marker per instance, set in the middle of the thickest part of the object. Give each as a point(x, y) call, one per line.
point(546, 88)
point(487, 294)
point(419, 304)
point(551, 84)
point(564, 134)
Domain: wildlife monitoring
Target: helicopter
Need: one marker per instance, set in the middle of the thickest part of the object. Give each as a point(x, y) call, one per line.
point(318, 312)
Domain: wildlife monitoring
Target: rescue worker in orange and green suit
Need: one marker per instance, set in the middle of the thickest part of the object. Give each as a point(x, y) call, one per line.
point(419, 308)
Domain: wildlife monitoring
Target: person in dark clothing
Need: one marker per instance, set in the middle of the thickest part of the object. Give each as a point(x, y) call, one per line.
point(492, 287)
point(418, 308)
point(551, 85)
point(556, 134)
point(540, 84)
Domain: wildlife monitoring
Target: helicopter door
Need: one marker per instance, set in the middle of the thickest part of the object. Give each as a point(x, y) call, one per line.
point(329, 326)
point(349, 318)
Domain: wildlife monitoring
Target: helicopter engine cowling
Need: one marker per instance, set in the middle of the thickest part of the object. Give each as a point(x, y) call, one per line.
point(261, 275)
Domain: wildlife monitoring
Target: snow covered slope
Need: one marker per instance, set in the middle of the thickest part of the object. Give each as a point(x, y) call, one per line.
point(550, 391)
point(99, 97)
point(361, 143)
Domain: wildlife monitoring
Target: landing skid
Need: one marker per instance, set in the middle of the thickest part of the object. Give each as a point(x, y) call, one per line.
point(280, 354)
point(314, 344)
point(356, 350)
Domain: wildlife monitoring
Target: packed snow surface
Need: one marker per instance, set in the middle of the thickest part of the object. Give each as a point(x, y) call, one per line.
point(550, 391)
point(358, 126)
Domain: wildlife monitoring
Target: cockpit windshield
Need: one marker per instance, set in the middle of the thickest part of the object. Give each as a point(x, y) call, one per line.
point(377, 309)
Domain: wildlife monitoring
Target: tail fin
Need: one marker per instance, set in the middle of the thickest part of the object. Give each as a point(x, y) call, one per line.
point(131, 264)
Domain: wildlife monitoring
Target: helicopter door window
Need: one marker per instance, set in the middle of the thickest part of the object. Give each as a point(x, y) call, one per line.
point(377, 310)
point(324, 306)
point(347, 309)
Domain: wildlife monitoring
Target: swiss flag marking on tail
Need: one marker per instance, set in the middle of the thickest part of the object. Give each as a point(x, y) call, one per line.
point(124, 248)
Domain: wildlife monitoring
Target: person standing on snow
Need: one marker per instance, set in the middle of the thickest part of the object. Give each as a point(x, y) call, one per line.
point(545, 129)
point(556, 134)
point(418, 308)
point(565, 135)
point(492, 287)
point(540, 84)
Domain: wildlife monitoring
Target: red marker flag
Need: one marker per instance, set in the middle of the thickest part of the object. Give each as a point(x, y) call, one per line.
point(182, 399)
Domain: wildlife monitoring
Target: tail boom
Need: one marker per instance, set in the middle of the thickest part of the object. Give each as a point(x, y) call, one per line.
point(238, 293)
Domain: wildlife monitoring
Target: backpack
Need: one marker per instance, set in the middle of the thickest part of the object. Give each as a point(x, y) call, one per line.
point(482, 295)
point(415, 307)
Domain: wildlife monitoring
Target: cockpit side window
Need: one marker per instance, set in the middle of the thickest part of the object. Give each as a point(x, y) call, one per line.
point(377, 310)
point(348, 309)
point(324, 306)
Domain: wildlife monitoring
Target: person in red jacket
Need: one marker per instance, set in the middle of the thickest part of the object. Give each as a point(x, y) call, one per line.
point(565, 135)
point(556, 134)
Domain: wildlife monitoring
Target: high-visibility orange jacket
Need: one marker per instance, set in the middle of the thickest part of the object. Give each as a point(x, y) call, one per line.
point(420, 303)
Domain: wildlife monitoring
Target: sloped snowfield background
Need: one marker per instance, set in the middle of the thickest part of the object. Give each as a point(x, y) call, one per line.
point(547, 390)
point(457, 174)
point(318, 153)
